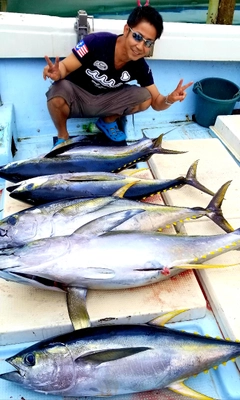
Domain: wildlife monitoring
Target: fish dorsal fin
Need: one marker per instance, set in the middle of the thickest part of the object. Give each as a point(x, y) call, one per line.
point(92, 204)
point(99, 357)
point(182, 389)
point(106, 223)
point(68, 145)
point(158, 141)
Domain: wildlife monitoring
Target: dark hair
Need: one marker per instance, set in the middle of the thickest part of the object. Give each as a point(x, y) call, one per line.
point(149, 14)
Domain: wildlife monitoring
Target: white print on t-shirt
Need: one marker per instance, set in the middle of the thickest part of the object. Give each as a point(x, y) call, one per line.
point(100, 65)
point(103, 79)
point(125, 76)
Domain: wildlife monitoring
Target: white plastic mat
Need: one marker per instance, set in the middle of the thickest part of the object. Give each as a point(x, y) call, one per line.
point(216, 166)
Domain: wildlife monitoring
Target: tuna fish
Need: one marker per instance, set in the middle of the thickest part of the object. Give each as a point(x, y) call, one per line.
point(117, 360)
point(95, 257)
point(62, 218)
point(84, 159)
point(48, 188)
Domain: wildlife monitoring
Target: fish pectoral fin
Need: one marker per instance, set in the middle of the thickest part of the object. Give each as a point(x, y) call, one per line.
point(82, 178)
point(97, 273)
point(182, 389)
point(106, 223)
point(99, 357)
point(94, 177)
point(166, 317)
point(84, 206)
point(204, 266)
point(76, 303)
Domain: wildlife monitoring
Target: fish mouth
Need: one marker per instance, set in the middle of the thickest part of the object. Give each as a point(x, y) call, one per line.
point(16, 375)
point(3, 232)
point(13, 187)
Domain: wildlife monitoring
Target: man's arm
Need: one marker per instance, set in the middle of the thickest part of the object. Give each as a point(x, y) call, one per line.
point(160, 102)
point(60, 69)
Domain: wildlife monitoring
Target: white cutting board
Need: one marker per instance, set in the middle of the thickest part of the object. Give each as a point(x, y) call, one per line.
point(216, 166)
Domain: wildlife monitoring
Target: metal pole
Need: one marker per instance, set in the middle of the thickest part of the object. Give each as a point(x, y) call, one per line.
point(212, 11)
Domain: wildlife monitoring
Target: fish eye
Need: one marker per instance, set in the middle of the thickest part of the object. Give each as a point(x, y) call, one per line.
point(30, 186)
point(29, 359)
point(12, 220)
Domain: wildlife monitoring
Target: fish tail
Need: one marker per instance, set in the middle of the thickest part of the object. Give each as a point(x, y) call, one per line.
point(158, 149)
point(191, 179)
point(214, 211)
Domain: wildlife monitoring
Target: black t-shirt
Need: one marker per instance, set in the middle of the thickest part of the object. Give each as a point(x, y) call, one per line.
point(97, 73)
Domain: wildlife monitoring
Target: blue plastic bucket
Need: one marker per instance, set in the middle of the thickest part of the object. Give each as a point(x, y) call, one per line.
point(215, 96)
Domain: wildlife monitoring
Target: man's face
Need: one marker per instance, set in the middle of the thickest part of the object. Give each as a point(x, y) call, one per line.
point(138, 39)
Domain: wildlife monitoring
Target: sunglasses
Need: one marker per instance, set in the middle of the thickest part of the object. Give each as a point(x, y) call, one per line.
point(139, 38)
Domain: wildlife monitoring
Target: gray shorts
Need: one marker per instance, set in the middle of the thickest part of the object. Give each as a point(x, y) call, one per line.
point(85, 104)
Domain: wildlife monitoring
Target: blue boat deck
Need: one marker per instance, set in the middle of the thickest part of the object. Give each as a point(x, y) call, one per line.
point(189, 51)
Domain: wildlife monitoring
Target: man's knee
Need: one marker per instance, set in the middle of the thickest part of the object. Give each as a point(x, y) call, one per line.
point(59, 94)
point(145, 105)
point(56, 102)
point(142, 106)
